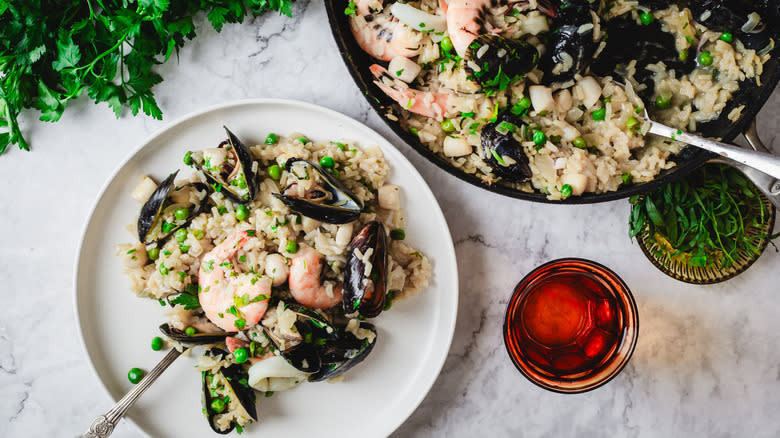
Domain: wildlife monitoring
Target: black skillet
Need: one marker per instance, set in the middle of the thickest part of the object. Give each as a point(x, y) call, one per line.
point(750, 95)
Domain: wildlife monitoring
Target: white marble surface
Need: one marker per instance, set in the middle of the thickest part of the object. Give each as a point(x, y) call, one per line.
point(708, 358)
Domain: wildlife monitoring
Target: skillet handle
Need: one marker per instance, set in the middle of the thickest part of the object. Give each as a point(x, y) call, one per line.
point(767, 184)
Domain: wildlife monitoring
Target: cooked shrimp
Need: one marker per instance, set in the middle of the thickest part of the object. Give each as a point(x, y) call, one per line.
point(424, 103)
point(443, 6)
point(366, 7)
point(384, 37)
point(231, 299)
point(305, 284)
point(467, 19)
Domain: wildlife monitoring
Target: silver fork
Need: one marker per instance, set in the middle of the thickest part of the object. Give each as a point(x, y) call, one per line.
point(103, 425)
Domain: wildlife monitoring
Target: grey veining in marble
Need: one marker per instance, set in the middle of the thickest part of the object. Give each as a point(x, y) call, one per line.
point(708, 358)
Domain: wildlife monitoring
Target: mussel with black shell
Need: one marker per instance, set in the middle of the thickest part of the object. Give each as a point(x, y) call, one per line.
point(495, 62)
point(170, 208)
point(227, 390)
point(315, 193)
point(344, 352)
point(297, 343)
point(322, 349)
point(365, 276)
point(647, 44)
point(745, 19)
point(502, 152)
point(571, 46)
point(229, 167)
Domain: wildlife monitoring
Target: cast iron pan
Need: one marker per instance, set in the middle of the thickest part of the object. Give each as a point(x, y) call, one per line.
point(750, 95)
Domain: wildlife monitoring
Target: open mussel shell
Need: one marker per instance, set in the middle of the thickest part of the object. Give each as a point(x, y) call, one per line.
point(236, 388)
point(195, 339)
point(499, 61)
point(341, 355)
point(151, 209)
point(502, 152)
point(364, 285)
point(157, 221)
point(327, 201)
point(304, 356)
point(234, 176)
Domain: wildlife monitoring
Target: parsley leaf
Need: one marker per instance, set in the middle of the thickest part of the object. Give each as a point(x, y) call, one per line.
point(188, 301)
point(52, 52)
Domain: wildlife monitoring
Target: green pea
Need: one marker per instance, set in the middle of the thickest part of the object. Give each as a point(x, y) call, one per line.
point(167, 227)
point(242, 212)
point(292, 246)
point(683, 55)
point(188, 158)
point(663, 102)
point(632, 123)
point(447, 125)
point(218, 405)
point(184, 248)
point(198, 234)
point(182, 213)
point(446, 45)
point(398, 234)
point(565, 191)
point(135, 375)
point(157, 343)
point(599, 114)
point(189, 331)
point(241, 355)
point(705, 58)
point(153, 253)
point(539, 138)
point(580, 143)
point(181, 235)
point(271, 139)
point(646, 18)
point(303, 140)
point(163, 270)
point(727, 37)
point(275, 172)
point(327, 162)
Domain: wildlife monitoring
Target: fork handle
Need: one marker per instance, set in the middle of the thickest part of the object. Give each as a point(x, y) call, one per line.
point(765, 162)
point(103, 425)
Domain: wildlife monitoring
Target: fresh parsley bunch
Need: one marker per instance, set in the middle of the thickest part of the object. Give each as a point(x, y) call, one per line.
point(54, 51)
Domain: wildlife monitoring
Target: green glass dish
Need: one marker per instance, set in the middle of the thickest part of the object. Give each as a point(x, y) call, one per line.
point(677, 268)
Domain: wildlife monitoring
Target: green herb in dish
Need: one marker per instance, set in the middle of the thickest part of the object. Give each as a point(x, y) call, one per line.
point(707, 219)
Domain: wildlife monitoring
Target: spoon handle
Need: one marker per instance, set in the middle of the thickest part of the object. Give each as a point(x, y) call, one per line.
point(103, 425)
point(767, 163)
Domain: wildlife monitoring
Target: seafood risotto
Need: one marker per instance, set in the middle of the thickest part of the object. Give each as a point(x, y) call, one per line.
point(273, 256)
point(521, 93)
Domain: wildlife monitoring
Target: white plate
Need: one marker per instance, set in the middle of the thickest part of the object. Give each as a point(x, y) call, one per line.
point(117, 327)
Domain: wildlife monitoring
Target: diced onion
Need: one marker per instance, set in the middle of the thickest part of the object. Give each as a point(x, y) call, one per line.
point(414, 18)
point(585, 28)
point(753, 20)
point(482, 50)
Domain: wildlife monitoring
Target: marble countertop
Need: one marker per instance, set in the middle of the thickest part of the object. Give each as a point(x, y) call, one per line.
point(708, 358)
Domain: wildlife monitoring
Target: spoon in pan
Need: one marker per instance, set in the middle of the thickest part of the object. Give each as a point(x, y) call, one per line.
point(103, 425)
point(765, 162)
